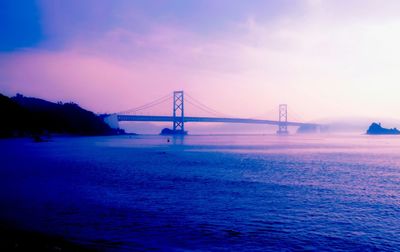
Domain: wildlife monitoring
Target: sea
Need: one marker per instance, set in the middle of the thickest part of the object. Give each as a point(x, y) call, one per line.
point(207, 192)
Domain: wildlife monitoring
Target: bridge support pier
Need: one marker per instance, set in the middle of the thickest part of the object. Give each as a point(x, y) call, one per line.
point(112, 121)
point(178, 124)
point(282, 126)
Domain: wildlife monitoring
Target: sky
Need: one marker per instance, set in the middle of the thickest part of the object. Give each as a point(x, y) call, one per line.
point(332, 58)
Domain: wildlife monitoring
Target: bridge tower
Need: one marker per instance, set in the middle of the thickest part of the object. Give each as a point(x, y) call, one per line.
point(178, 113)
point(282, 126)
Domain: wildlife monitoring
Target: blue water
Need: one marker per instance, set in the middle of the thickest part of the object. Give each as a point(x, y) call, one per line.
point(236, 193)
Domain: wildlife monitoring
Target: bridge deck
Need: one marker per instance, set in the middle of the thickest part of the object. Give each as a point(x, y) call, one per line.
point(143, 118)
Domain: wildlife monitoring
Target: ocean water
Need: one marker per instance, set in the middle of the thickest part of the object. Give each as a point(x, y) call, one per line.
point(218, 193)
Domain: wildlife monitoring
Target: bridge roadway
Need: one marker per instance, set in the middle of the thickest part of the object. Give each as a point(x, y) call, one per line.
point(144, 118)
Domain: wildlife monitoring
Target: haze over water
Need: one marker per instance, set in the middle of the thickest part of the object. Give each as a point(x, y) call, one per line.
point(240, 193)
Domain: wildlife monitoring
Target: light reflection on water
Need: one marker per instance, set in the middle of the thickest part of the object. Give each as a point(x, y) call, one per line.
point(208, 192)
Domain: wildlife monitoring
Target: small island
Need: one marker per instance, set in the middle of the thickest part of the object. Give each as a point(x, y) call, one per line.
point(377, 129)
point(167, 131)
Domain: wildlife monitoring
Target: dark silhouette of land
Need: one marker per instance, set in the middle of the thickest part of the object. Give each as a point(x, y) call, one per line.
point(27, 116)
point(167, 131)
point(377, 129)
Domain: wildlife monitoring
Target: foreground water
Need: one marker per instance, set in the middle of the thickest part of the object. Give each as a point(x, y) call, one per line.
point(207, 192)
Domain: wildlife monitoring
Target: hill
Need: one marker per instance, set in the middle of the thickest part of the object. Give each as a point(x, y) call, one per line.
point(27, 116)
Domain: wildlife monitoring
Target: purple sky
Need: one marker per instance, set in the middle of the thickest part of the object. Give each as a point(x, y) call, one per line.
point(322, 58)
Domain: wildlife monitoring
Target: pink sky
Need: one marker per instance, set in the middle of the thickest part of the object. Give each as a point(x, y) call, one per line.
point(322, 58)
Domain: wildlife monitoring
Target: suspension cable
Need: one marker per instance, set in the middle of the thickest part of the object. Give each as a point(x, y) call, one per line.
point(204, 107)
point(207, 111)
point(147, 105)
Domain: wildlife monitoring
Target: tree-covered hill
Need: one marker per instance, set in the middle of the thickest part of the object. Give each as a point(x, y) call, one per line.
point(24, 116)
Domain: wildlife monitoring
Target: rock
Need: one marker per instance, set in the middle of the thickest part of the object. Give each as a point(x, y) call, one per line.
point(377, 129)
point(167, 131)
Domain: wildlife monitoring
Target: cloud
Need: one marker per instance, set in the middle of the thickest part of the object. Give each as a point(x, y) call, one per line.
point(319, 57)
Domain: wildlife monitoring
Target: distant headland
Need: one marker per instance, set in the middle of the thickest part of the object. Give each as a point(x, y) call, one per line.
point(32, 117)
point(377, 129)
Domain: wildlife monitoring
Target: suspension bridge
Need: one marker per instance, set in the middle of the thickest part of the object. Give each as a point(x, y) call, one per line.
point(178, 118)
